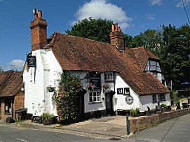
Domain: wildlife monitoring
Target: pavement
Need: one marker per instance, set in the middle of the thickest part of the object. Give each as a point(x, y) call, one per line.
point(112, 127)
point(103, 129)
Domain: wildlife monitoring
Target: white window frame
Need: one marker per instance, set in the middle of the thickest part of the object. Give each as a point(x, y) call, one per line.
point(109, 76)
point(94, 97)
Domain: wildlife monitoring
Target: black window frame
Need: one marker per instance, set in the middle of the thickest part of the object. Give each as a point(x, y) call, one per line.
point(154, 98)
point(162, 97)
point(109, 80)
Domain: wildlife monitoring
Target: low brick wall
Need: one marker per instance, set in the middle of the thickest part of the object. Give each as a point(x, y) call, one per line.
point(140, 123)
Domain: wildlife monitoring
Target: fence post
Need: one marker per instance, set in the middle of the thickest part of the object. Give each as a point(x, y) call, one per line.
point(127, 124)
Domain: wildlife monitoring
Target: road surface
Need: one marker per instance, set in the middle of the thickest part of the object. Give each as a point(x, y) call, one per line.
point(175, 130)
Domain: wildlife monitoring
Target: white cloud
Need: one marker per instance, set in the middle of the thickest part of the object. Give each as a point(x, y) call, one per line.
point(104, 10)
point(16, 64)
point(150, 16)
point(180, 4)
point(156, 2)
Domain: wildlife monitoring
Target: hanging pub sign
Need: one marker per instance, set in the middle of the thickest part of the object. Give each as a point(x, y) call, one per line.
point(126, 91)
point(31, 60)
point(95, 79)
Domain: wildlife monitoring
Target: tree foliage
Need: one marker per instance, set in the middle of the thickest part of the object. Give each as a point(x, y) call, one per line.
point(98, 30)
point(175, 55)
point(68, 99)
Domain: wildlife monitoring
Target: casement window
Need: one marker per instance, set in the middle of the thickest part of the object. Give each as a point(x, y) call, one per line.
point(162, 97)
point(153, 66)
point(94, 96)
point(109, 76)
point(154, 99)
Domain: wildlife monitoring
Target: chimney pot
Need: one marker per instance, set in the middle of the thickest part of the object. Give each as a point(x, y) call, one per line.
point(35, 11)
point(39, 14)
point(113, 28)
point(116, 27)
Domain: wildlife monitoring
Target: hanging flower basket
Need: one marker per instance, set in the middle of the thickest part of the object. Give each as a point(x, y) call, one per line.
point(90, 87)
point(50, 89)
point(106, 86)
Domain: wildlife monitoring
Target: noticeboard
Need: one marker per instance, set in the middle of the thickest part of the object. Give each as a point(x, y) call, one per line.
point(95, 79)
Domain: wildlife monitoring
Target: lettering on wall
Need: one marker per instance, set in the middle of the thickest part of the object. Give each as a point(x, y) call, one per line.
point(95, 79)
point(123, 91)
point(119, 90)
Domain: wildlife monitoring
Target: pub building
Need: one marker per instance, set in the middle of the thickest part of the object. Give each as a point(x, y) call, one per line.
point(116, 78)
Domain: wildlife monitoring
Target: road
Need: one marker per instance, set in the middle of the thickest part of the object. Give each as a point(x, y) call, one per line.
point(176, 130)
point(28, 135)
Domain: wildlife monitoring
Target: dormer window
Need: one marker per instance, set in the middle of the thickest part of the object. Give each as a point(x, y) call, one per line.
point(109, 76)
point(153, 66)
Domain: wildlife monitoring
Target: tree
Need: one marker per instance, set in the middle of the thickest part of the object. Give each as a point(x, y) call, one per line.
point(68, 98)
point(98, 30)
point(175, 55)
point(150, 39)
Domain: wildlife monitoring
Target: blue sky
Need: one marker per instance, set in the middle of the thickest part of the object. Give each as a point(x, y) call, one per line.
point(134, 16)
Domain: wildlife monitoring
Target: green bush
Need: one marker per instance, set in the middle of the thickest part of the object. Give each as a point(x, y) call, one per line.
point(134, 112)
point(174, 96)
point(48, 118)
point(163, 106)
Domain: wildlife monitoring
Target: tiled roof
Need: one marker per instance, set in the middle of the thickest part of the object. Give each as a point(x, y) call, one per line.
point(10, 83)
point(141, 55)
point(77, 53)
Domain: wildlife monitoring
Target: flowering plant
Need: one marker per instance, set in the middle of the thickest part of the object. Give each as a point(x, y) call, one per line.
point(106, 86)
point(90, 86)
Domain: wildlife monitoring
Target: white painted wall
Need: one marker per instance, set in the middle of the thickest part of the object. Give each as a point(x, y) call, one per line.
point(37, 98)
point(119, 99)
point(48, 71)
point(146, 101)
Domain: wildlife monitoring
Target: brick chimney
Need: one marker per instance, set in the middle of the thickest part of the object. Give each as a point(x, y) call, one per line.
point(38, 30)
point(117, 37)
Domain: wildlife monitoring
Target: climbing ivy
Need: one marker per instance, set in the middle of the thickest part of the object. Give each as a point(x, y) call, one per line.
point(68, 98)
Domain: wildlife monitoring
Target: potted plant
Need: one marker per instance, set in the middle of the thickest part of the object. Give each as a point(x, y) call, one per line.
point(48, 119)
point(50, 89)
point(106, 87)
point(164, 107)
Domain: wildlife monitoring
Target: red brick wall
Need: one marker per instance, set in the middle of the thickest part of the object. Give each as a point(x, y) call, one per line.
point(140, 123)
point(19, 101)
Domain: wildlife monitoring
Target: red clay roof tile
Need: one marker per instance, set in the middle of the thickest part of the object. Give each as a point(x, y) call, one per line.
point(77, 53)
point(10, 83)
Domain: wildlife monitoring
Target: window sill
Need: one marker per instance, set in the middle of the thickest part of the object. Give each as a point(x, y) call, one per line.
point(95, 102)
